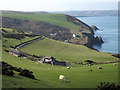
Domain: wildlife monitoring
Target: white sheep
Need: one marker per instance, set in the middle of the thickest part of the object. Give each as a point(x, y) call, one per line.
point(62, 78)
point(99, 67)
point(114, 64)
point(68, 67)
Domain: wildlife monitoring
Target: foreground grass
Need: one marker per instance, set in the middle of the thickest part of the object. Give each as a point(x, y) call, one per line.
point(47, 75)
point(66, 52)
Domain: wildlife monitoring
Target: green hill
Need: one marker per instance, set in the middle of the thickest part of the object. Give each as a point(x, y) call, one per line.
point(55, 26)
point(65, 51)
point(56, 19)
point(47, 75)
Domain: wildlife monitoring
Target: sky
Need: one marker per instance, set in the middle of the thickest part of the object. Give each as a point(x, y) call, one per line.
point(58, 5)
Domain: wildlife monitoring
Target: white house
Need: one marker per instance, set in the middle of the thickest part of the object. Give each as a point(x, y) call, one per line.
point(74, 35)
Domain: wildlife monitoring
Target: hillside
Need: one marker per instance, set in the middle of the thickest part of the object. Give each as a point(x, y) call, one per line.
point(55, 26)
point(79, 76)
point(48, 47)
point(65, 51)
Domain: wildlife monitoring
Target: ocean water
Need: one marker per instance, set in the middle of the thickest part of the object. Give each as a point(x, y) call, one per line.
point(109, 32)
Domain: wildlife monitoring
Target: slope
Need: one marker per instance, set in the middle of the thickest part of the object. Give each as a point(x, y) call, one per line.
point(66, 51)
point(56, 19)
point(55, 26)
point(47, 75)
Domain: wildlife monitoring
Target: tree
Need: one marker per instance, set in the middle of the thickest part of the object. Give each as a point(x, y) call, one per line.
point(108, 86)
point(89, 61)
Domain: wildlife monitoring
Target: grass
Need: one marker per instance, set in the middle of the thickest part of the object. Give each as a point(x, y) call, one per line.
point(56, 19)
point(77, 77)
point(66, 52)
point(47, 75)
point(12, 41)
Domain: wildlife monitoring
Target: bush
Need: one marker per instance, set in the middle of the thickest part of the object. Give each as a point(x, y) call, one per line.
point(7, 71)
point(17, 69)
point(107, 86)
point(26, 73)
point(89, 61)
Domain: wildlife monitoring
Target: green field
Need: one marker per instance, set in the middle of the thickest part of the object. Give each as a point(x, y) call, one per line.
point(56, 19)
point(77, 77)
point(65, 51)
point(13, 42)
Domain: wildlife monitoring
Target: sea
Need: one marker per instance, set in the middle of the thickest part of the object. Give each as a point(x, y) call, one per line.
point(108, 26)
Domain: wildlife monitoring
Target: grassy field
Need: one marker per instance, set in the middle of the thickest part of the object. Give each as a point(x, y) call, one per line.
point(56, 19)
point(77, 77)
point(12, 41)
point(66, 52)
point(47, 75)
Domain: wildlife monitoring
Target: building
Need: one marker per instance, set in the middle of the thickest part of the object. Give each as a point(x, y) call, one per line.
point(53, 34)
point(74, 35)
point(15, 53)
point(48, 59)
point(51, 60)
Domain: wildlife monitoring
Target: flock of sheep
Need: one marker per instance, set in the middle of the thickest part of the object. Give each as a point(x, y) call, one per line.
point(62, 77)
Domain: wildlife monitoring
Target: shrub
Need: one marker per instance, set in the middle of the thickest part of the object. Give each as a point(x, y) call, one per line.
point(26, 73)
point(89, 61)
point(7, 71)
point(107, 86)
point(17, 69)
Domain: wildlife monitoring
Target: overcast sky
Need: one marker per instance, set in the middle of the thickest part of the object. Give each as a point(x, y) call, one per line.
point(58, 5)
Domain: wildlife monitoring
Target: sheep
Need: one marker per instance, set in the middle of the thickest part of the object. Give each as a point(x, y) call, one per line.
point(99, 67)
point(114, 64)
point(86, 65)
point(68, 67)
point(89, 64)
point(62, 78)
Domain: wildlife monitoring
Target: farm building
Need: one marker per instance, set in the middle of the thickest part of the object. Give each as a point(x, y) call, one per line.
point(15, 53)
point(51, 60)
point(48, 59)
point(61, 63)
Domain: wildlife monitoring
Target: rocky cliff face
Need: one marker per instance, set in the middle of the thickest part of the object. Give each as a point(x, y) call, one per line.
point(94, 27)
point(87, 32)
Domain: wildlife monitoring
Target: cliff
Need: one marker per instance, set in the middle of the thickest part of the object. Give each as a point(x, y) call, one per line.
point(88, 32)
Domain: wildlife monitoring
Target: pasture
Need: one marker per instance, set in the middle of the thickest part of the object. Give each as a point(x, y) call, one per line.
point(66, 51)
point(47, 75)
point(56, 19)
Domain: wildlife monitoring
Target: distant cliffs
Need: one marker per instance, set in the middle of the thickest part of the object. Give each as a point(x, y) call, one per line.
point(87, 32)
point(94, 27)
